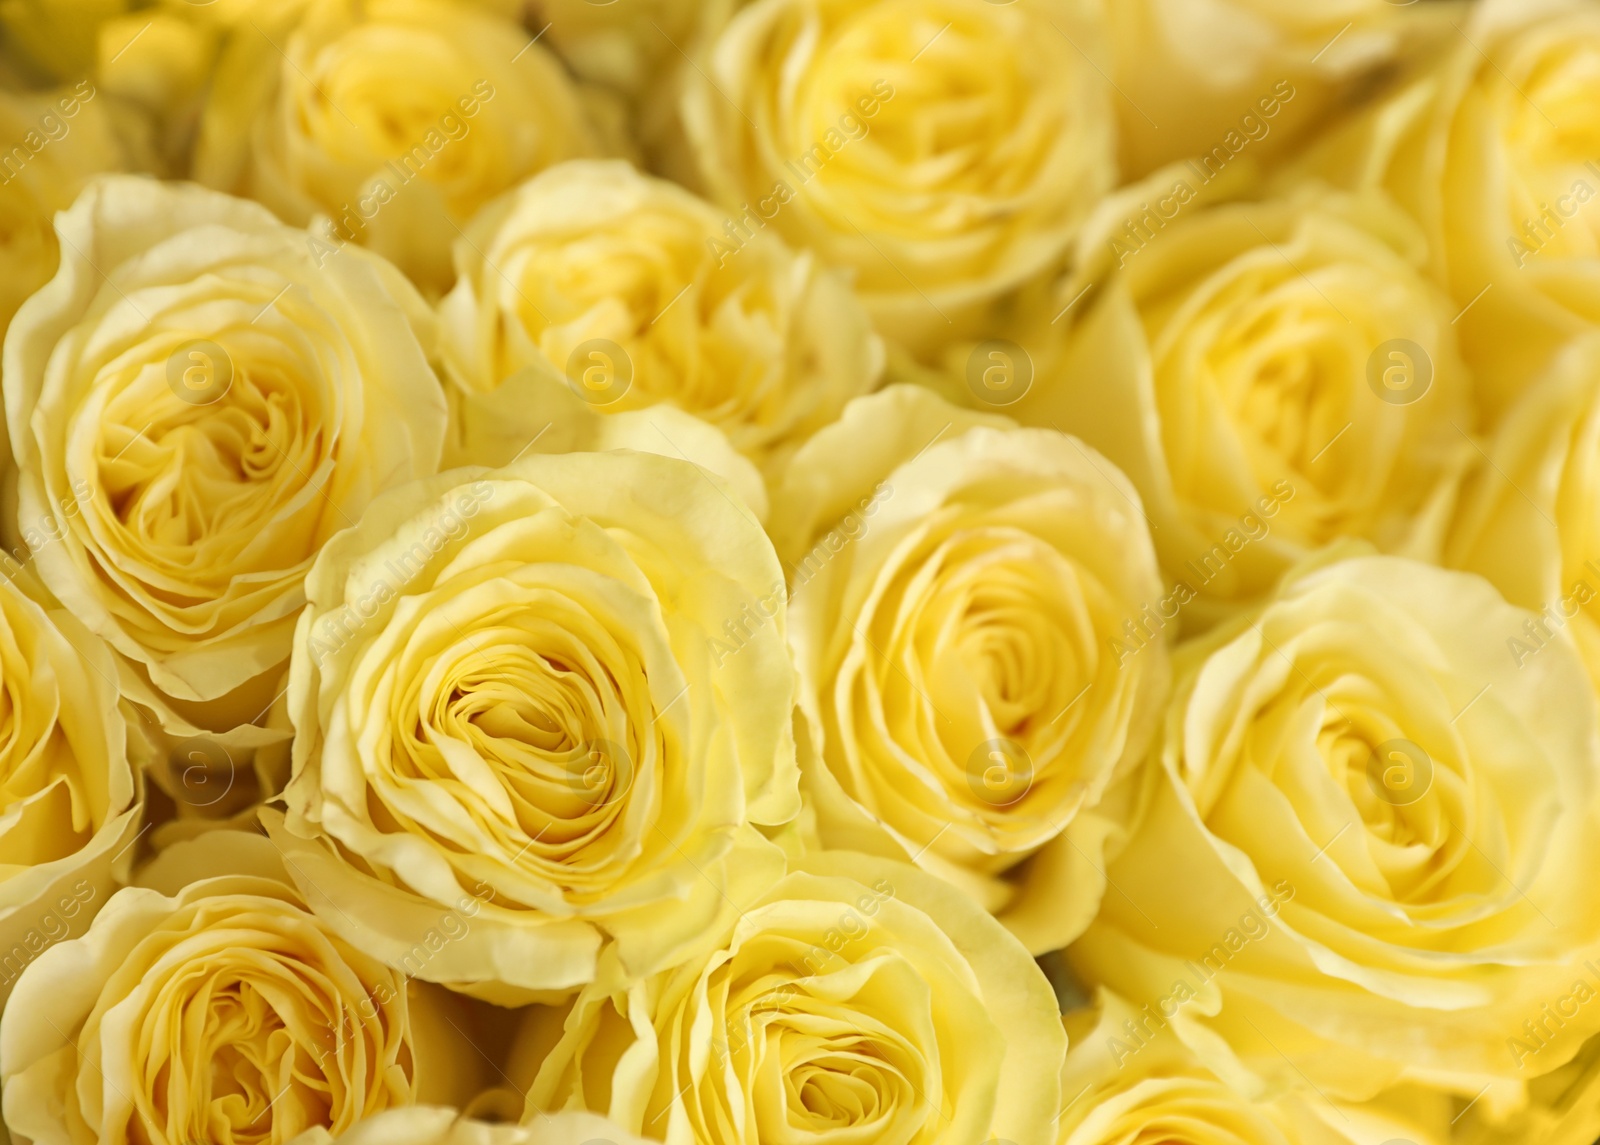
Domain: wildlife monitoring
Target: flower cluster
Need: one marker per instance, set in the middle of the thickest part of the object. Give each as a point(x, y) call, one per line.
point(807, 572)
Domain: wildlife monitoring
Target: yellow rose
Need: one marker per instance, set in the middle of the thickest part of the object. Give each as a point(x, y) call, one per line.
point(1125, 1082)
point(1354, 861)
point(1226, 78)
point(433, 1125)
point(628, 286)
point(1530, 518)
point(51, 144)
point(1496, 152)
point(857, 1000)
point(524, 679)
point(1273, 376)
point(943, 150)
point(218, 1011)
point(394, 119)
point(69, 803)
point(978, 624)
point(195, 405)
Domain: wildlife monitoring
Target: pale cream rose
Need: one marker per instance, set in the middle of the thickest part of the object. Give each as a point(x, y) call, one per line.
point(434, 1125)
point(512, 678)
point(944, 150)
point(396, 120)
point(1127, 1079)
point(857, 1000)
point(51, 144)
point(978, 623)
point(221, 1011)
point(1530, 518)
point(1209, 77)
point(195, 405)
point(1272, 375)
point(1353, 867)
point(1496, 152)
point(69, 797)
point(630, 288)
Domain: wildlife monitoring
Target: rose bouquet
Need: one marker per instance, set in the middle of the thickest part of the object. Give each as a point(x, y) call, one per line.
point(807, 572)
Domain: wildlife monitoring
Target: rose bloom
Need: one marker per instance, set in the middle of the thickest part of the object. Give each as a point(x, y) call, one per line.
point(1530, 518)
point(760, 342)
point(1376, 817)
point(219, 1010)
point(1273, 376)
point(395, 119)
point(857, 1000)
point(1127, 1079)
point(976, 615)
point(55, 142)
point(512, 678)
point(944, 151)
point(195, 406)
point(1495, 152)
point(434, 1125)
point(68, 795)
